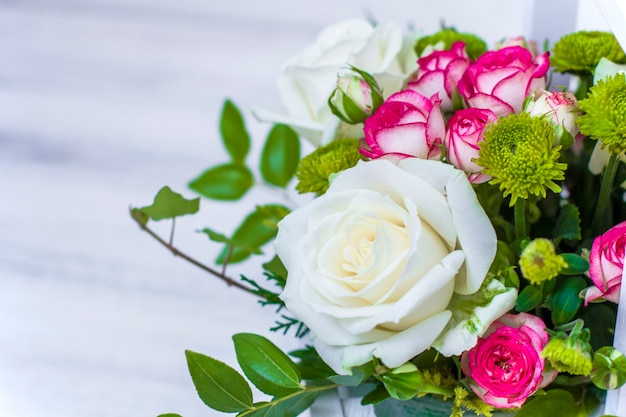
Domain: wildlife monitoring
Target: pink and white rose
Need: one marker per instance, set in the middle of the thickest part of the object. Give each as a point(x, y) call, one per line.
point(505, 367)
point(406, 125)
point(501, 80)
point(439, 73)
point(560, 109)
point(373, 263)
point(309, 78)
point(606, 263)
point(519, 41)
point(463, 136)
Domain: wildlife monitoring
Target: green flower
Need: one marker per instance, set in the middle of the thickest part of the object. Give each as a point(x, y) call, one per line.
point(580, 52)
point(605, 113)
point(573, 353)
point(315, 169)
point(474, 46)
point(539, 262)
point(519, 153)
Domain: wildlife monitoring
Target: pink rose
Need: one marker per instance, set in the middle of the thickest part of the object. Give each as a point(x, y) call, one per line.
point(500, 80)
point(465, 132)
point(520, 41)
point(606, 262)
point(505, 367)
point(559, 109)
point(406, 125)
point(439, 72)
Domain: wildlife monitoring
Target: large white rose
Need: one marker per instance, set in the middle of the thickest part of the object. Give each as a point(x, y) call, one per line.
point(373, 263)
point(308, 79)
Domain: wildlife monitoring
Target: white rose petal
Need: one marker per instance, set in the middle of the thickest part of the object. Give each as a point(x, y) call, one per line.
point(373, 263)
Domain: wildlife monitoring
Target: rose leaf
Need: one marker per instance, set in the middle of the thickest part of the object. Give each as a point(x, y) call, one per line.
point(233, 130)
point(280, 156)
point(223, 182)
point(168, 204)
point(219, 386)
point(265, 365)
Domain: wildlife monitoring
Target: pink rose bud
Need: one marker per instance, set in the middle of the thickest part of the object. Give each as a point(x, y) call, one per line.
point(519, 41)
point(560, 109)
point(501, 80)
point(505, 367)
point(465, 132)
point(406, 125)
point(606, 262)
point(356, 97)
point(439, 72)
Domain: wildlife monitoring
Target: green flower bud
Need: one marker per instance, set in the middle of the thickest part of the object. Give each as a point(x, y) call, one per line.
point(356, 97)
point(539, 262)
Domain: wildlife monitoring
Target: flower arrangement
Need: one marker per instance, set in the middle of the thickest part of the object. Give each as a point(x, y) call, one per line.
point(465, 236)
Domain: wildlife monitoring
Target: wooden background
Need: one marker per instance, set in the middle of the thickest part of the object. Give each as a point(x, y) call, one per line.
point(102, 102)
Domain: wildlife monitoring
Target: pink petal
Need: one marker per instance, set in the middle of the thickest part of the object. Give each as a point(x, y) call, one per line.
point(487, 81)
point(485, 101)
point(406, 139)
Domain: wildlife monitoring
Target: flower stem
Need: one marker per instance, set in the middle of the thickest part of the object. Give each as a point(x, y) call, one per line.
point(601, 217)
point(229, 281)
point(519, 212)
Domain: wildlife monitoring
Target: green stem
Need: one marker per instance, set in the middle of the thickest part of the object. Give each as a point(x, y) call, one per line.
point(520, 218)
point(267, 406)
point(600, 217)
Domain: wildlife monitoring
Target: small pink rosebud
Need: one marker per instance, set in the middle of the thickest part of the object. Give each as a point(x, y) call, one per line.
point(560, 109)
point(606, 262)
point(463, 136)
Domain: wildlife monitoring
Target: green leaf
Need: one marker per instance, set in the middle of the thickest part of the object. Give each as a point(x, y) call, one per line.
point(223, 182)
point(219, 386)
point(357, 378)
point(529, 298)
point(168, 204)
point(275, 270)
point(556, 403)
point(265, 365)
point(169, 415)
point(280, 156)
point(220, 238)
point(576, 264)
point(289, 406)
point(600, 319)
point(403, 386)
point(568, 223)
point(139, 215)
point(311, 365)
point(375, 396)
point(233, 130)
point(565, 301)
point(258, 228)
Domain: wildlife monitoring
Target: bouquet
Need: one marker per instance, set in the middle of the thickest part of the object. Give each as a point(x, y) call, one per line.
point(463, 240)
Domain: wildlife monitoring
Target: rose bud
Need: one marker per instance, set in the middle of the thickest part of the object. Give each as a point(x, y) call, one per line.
point(465, 132)
point(560, 109)
point(356, 97)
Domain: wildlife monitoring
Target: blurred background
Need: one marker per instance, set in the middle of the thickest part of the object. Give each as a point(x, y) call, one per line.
point(102, 102)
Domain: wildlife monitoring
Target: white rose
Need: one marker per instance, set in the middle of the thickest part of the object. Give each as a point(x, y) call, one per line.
point(309, 78)
point(373, 263)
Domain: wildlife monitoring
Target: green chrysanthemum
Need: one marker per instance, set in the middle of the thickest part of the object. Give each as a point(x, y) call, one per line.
point(605, 113)
point(315, 169)
point(519, 153)
point(572, 354)
point(539, 262)
point(580, 52)
point(474, 46)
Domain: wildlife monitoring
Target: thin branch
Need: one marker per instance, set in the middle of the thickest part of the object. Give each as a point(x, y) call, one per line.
point(229, 281)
